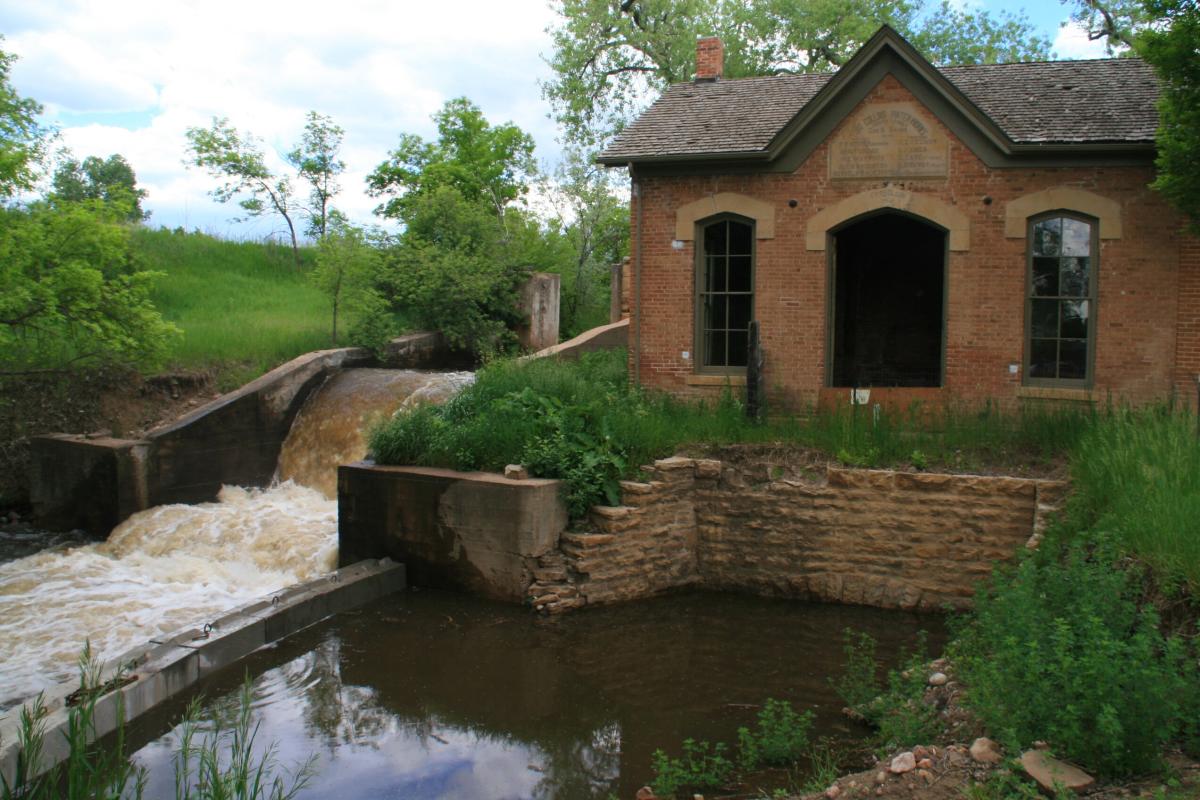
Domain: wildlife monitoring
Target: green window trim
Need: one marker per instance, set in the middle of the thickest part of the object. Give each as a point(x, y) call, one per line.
point(724, 293)
point(1062, 270)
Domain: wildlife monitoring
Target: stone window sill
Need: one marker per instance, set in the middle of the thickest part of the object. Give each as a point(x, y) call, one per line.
point(1055, 393)
point(715, 380)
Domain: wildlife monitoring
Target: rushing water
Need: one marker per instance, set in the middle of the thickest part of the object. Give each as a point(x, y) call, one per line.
point(171, 566)
point(426, 695)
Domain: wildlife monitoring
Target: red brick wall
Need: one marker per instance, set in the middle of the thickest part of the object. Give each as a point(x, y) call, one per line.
point(1139, 278)
point(1187, 345)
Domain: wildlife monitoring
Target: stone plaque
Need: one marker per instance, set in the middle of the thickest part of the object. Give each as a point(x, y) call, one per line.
point(889, 140)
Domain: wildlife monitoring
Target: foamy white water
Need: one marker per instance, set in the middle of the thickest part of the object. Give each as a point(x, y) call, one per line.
point(173, 566)
point(162, 569)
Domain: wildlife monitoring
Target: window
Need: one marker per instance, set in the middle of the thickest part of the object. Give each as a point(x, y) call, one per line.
point(724, 294)
point(1061, 309)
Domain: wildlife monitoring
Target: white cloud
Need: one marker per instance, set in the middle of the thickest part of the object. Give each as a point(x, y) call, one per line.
point(378, 67)
point(1072, 42)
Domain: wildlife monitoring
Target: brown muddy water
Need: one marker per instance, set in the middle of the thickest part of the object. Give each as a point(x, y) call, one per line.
point(428, 694)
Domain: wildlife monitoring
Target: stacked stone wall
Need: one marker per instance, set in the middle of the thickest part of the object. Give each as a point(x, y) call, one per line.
point(870, 537)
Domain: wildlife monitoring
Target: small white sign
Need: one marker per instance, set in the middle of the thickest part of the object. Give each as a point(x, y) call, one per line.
point(1013, 369)
point(676, 244)
point(685, 355)
point(860, 397)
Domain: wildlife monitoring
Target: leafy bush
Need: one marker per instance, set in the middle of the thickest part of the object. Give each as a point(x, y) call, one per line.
point(702, 766)
point(896, 707)
point(780, 736)
point(1059, 648)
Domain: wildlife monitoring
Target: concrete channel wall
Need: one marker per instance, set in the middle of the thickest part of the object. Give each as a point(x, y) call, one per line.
point(868, 537)
point(164, 667)
point(94, 484)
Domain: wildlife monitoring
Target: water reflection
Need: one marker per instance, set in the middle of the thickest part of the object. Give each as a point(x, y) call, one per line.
point(431, 695)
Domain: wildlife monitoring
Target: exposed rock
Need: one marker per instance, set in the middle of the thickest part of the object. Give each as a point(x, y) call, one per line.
point(1049, 772)
point(905, 762)
point(938, 679)
point(833, 791)
point(925, 775)
point(645, 793)
point(925, 763)
point(516, 472)
point(881, 777)
point(985, 751)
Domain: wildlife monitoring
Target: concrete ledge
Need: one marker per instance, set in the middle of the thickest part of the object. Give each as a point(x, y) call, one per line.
point(167, 666)
point(604, 337)
point(473, 531)
point(95, 484)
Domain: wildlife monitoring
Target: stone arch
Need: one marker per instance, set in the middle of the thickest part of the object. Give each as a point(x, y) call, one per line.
point(763, 214)
point(1062, 198)
point(941, 214)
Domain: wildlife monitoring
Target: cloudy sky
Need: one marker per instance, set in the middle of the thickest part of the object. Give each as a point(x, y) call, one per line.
point(130, 76)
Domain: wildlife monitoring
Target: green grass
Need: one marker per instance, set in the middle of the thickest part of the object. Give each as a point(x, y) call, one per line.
point(243, 306)
point(1136, 475)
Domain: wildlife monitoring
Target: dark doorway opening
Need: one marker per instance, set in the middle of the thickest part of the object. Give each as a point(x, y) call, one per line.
point(888, 315)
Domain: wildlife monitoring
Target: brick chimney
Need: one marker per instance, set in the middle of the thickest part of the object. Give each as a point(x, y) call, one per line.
point(710, 59)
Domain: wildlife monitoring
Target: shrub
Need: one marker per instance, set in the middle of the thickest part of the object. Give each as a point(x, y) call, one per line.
point(702, 766)
point(1060, 649)
point(896, 708)
point(779, 738)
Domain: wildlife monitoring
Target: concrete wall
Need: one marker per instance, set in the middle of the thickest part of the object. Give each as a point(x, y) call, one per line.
point(540, 304)
point(476, 531)
point(869, 537)
point(604, 337)
point(94, 484)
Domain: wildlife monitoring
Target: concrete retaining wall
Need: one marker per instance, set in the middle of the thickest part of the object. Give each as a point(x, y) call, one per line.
point(167, 666)
point(94, 484)
point(467, 530)
point(870, 537)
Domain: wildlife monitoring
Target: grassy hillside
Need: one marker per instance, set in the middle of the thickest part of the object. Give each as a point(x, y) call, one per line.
point(243, 306)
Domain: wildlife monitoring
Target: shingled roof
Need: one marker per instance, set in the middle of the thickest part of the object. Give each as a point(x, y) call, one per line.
point(1032, 103)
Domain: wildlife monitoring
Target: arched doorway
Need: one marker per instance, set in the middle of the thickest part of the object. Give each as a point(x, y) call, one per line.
point(887, 302)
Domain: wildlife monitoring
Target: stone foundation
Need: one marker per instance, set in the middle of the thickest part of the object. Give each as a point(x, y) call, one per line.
point(870, 537)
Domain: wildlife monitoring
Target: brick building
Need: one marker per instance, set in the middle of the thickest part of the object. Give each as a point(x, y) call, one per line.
point(956, 233)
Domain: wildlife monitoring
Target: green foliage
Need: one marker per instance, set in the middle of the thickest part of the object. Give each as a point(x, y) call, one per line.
point(896, 707)
point(1136, 475)
point(1005, 784)
point(780, 736)
point(702, 766)
point(608, 56)
point(347, 270)
point(317, 163)
point(23, 141)
point(71, 291)
point(1059, 648)
point(1170, 46)
point(90, 771)
point(110, 180)
point(486, 165)
point(455, 271)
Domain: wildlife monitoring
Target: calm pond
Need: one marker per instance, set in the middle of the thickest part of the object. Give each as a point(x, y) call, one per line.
point(429, 694)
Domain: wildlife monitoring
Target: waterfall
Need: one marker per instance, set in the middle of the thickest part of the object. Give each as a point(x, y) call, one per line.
point(170, 566)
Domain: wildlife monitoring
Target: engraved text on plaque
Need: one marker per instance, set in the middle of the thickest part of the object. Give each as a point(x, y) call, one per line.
point(889, 140)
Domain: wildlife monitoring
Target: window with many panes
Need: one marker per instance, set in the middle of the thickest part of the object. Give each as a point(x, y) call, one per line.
point(1061, 305)
point(724, 294)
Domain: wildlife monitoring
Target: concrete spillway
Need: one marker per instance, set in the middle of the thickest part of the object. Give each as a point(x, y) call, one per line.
point(175, 565)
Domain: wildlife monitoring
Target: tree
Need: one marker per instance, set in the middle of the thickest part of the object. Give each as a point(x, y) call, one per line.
point(485, 164)
point(315, 158)
point(610, 56)
point(23, 141)
point(347, 267)
point(70, 291)
point(237, 161)
point(1171, 48)
point(109, 180)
